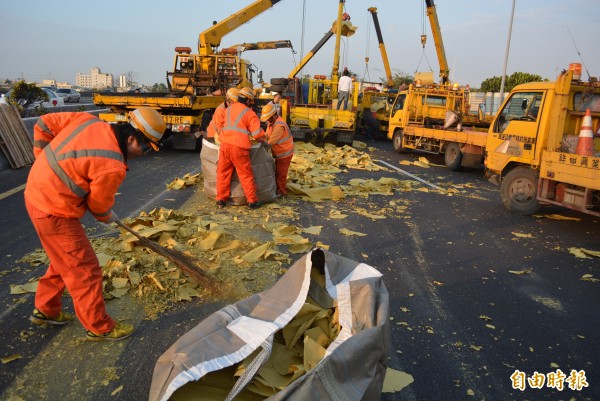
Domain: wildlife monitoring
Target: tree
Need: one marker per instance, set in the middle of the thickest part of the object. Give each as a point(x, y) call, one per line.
point(516, 78)
point(400, 78)
point(157, 88)
point(130, 79)
point(24, 95)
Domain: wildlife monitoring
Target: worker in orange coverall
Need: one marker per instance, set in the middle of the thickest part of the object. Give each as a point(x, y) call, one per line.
point(80, 164)
point(282, 145)
point(218, 119)
point(241, 124)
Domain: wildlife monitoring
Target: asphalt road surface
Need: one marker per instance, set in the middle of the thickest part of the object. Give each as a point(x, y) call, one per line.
point(476, 293)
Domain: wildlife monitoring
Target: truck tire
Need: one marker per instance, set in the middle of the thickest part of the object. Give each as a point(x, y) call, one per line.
point(453, 156)
point(397, 141)
point(518, 190)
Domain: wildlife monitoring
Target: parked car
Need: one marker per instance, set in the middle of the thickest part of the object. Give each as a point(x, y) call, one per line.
point(69, 95)
point(53, 100)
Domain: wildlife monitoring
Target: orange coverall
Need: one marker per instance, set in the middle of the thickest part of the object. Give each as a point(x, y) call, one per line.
point(241, 124)
point(282, 147)
point(217, 122)
point(79, 167)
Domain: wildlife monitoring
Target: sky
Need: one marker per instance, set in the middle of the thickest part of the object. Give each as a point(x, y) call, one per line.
point(58, 39)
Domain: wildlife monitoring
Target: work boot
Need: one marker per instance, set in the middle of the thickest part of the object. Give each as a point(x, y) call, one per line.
point(221, 204)
point(120, 332)
point(255, 205)
point(39, 317)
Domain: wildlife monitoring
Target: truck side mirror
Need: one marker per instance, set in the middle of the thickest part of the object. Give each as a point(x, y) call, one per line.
point(481, 111)
point(260, 76)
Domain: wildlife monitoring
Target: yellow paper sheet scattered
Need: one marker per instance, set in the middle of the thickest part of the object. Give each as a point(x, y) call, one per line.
point(395, 381)
point(350, 233)
point(583, 253)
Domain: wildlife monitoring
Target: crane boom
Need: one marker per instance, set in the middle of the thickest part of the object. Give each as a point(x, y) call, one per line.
point(275, 44)
point(439, 43)
point(211, 37)
point(346, 29)
point(384, 57)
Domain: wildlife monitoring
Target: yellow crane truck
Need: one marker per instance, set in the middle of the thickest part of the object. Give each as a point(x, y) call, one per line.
point(431, 117)
point(531, 146)
point(317, 120)
point(197, 82)
point(437, 119)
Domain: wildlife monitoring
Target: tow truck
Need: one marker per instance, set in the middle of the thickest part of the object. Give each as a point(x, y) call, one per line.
point(196, 83)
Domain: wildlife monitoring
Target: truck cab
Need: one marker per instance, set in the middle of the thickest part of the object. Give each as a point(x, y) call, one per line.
point(531, 146)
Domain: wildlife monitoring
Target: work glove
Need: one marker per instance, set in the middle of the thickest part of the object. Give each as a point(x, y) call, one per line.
point(113, 218)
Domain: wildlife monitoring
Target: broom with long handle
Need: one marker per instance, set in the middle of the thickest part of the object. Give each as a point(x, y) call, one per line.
point(180, 259)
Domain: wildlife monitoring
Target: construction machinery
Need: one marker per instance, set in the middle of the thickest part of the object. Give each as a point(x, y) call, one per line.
point(317, 120)
point(434, 117)
point(197, 82)
point(436, 31)
point(372, 100)
point(532, 145)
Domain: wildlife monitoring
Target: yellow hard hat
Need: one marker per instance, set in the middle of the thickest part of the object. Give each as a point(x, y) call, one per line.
point(232, 94)
point(267, 112)
point(247, 93)
point(150, 123)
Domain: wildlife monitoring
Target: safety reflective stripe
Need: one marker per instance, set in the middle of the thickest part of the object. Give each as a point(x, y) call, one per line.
point(60, 173)
point(287, 136)
point(74, 154)
point(146, 126)
point(285, 139)
point(40, 144)
point(235, 125)
point(51, 156)
point(40, 123)
point(44, 128)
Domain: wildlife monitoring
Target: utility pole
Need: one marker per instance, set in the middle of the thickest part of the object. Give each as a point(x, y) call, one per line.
point(512, 14)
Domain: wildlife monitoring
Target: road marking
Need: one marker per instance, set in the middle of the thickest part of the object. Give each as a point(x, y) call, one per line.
point(12, 191)
point(409, 174)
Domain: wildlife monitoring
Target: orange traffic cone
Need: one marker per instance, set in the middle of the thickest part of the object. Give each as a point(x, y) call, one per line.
point(585, 144)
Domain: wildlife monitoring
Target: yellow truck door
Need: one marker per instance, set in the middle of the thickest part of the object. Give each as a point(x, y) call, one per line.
point(515, 130)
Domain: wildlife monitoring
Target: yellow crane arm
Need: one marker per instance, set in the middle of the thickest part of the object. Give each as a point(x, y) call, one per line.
point(211, 37)
point(341, 25)
point(384, 57)
point(275, 44)
point(437, 39)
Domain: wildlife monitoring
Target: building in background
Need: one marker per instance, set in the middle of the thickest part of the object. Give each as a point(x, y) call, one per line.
point(96, 79)
point(122, 81)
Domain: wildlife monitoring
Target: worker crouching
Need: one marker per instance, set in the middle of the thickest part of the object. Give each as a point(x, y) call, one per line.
point(80, 164)
point(241, 125)
point(282, 145)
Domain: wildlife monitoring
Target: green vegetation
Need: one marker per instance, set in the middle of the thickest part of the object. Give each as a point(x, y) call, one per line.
point(493, 84)
point(24, 95)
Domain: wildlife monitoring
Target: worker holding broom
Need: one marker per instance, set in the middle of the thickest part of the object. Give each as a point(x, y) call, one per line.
point(80, 164)
point(282, 146)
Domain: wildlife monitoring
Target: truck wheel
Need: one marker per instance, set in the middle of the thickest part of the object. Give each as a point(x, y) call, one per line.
point(518, 190)
point(397, 141)
point(453, 156)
